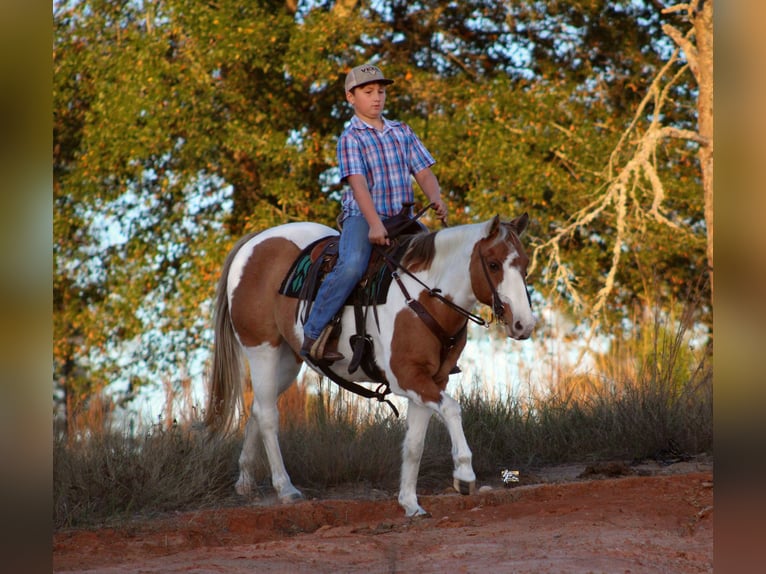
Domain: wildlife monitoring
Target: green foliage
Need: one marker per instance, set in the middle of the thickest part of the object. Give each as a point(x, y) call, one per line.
point(180, 125)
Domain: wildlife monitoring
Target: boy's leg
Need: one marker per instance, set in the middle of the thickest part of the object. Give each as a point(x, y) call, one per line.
point(353, 257)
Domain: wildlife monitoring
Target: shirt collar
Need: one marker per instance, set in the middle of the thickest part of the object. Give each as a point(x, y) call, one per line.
point(359, 124)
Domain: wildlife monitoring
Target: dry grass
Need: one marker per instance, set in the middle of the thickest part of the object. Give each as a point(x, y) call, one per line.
point(651, 397)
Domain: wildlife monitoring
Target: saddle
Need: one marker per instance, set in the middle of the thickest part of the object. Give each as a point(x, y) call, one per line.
point(317, 259)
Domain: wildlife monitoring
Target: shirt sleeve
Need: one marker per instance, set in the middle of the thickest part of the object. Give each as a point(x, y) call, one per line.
point(350, 158)
point(420, 158)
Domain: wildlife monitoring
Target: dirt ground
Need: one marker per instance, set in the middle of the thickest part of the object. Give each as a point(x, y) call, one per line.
point(576, 518)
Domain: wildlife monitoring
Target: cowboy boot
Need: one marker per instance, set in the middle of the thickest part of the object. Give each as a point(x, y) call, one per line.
point(315, 349)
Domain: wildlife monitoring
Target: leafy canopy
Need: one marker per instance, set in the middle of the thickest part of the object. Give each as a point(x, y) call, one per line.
point(179, 125)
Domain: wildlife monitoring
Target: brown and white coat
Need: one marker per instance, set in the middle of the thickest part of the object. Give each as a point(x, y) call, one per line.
point(468, 264)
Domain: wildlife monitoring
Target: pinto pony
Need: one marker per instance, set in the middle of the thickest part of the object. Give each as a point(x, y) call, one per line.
point(482, 262)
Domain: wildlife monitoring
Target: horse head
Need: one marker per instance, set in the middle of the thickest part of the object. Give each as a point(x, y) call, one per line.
point(498, 275)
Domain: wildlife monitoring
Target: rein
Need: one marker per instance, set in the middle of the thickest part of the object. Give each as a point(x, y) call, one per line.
point(447, 341)
point(498, 311)
point(380, 393)
point(394, 266)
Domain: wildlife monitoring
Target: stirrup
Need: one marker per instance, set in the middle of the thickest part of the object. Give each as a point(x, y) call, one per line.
point(359, 344)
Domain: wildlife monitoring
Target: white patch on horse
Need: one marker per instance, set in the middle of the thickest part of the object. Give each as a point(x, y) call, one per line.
point(300, 233)
point(513, 292)
point(458, 242)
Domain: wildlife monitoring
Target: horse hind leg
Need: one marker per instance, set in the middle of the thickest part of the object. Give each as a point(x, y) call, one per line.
point(246, 481)
point(272, 370)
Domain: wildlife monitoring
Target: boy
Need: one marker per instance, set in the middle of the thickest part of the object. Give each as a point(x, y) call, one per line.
point(376, 158)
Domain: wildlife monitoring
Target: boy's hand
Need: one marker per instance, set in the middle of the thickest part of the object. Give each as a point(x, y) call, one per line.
point(441, 209)
point(378, 234)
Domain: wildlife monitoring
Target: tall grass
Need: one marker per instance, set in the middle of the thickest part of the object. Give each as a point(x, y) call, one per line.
point(651, 394)
point(111, 475)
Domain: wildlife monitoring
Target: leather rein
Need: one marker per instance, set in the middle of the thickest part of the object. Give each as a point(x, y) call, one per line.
point(498, 310)
point(447, 341)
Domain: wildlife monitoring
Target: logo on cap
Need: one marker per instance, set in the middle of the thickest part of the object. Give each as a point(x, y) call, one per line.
point(364, 75)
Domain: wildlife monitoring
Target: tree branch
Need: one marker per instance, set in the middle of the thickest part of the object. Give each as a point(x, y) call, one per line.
point(685, 44)
point(619, 191)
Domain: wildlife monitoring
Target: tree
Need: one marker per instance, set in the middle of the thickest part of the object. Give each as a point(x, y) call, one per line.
point(177, 126)
point(699, 14)
point(633, 170)
point(180, 125)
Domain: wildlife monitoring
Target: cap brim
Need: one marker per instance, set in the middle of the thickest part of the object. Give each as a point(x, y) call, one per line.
point(383, 81)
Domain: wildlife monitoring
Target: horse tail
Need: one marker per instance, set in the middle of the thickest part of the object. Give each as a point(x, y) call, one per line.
point(225, 380)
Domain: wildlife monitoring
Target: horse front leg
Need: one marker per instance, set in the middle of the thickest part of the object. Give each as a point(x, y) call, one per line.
point(463, 477)
point(412, 452)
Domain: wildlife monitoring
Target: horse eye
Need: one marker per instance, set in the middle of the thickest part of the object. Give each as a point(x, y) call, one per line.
point(494, 266)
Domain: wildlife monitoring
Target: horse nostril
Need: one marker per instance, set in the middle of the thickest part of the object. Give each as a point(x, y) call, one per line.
point(518, 326)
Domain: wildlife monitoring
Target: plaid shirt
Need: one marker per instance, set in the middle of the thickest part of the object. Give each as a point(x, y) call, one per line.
point(387, 159)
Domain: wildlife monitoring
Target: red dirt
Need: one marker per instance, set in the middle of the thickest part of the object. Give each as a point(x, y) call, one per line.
point(659, 522)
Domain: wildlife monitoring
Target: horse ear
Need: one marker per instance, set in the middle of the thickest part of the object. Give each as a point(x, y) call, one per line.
point(491, 227)
point(519, 225)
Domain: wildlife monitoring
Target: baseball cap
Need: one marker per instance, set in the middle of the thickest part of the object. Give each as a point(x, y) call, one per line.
point(364, 75)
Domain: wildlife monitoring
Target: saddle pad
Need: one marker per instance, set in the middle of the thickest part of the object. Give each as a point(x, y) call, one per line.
point(373, 291)
point(299, 271)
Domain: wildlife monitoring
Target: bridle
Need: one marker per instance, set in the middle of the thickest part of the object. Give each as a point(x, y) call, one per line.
point(498, 309)
point(447, 341)
point(496, 304)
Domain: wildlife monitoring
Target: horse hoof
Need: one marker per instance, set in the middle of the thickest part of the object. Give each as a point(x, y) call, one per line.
point(418, 513)
point(464, 487)
point(421, 515)
point(290, 498)
point(243, 487)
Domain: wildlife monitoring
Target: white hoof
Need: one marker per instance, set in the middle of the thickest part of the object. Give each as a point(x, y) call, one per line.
point(291, 497)
point(464, 487)
point(418, 512)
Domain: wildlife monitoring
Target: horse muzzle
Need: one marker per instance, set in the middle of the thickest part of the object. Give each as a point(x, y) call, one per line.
point(520, 329)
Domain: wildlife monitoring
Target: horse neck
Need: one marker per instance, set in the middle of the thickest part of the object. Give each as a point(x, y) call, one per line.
point(450, 269)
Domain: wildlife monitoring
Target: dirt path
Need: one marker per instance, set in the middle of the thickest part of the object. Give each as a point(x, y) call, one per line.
point(651, 521)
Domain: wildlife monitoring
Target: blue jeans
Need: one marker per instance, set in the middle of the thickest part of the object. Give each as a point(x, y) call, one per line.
point(354, 253)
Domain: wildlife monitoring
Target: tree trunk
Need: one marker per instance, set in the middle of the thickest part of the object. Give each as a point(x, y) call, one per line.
point(702, 19)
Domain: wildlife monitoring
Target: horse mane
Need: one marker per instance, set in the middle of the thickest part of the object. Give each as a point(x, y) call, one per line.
point(421, 247)
point(420, 251)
